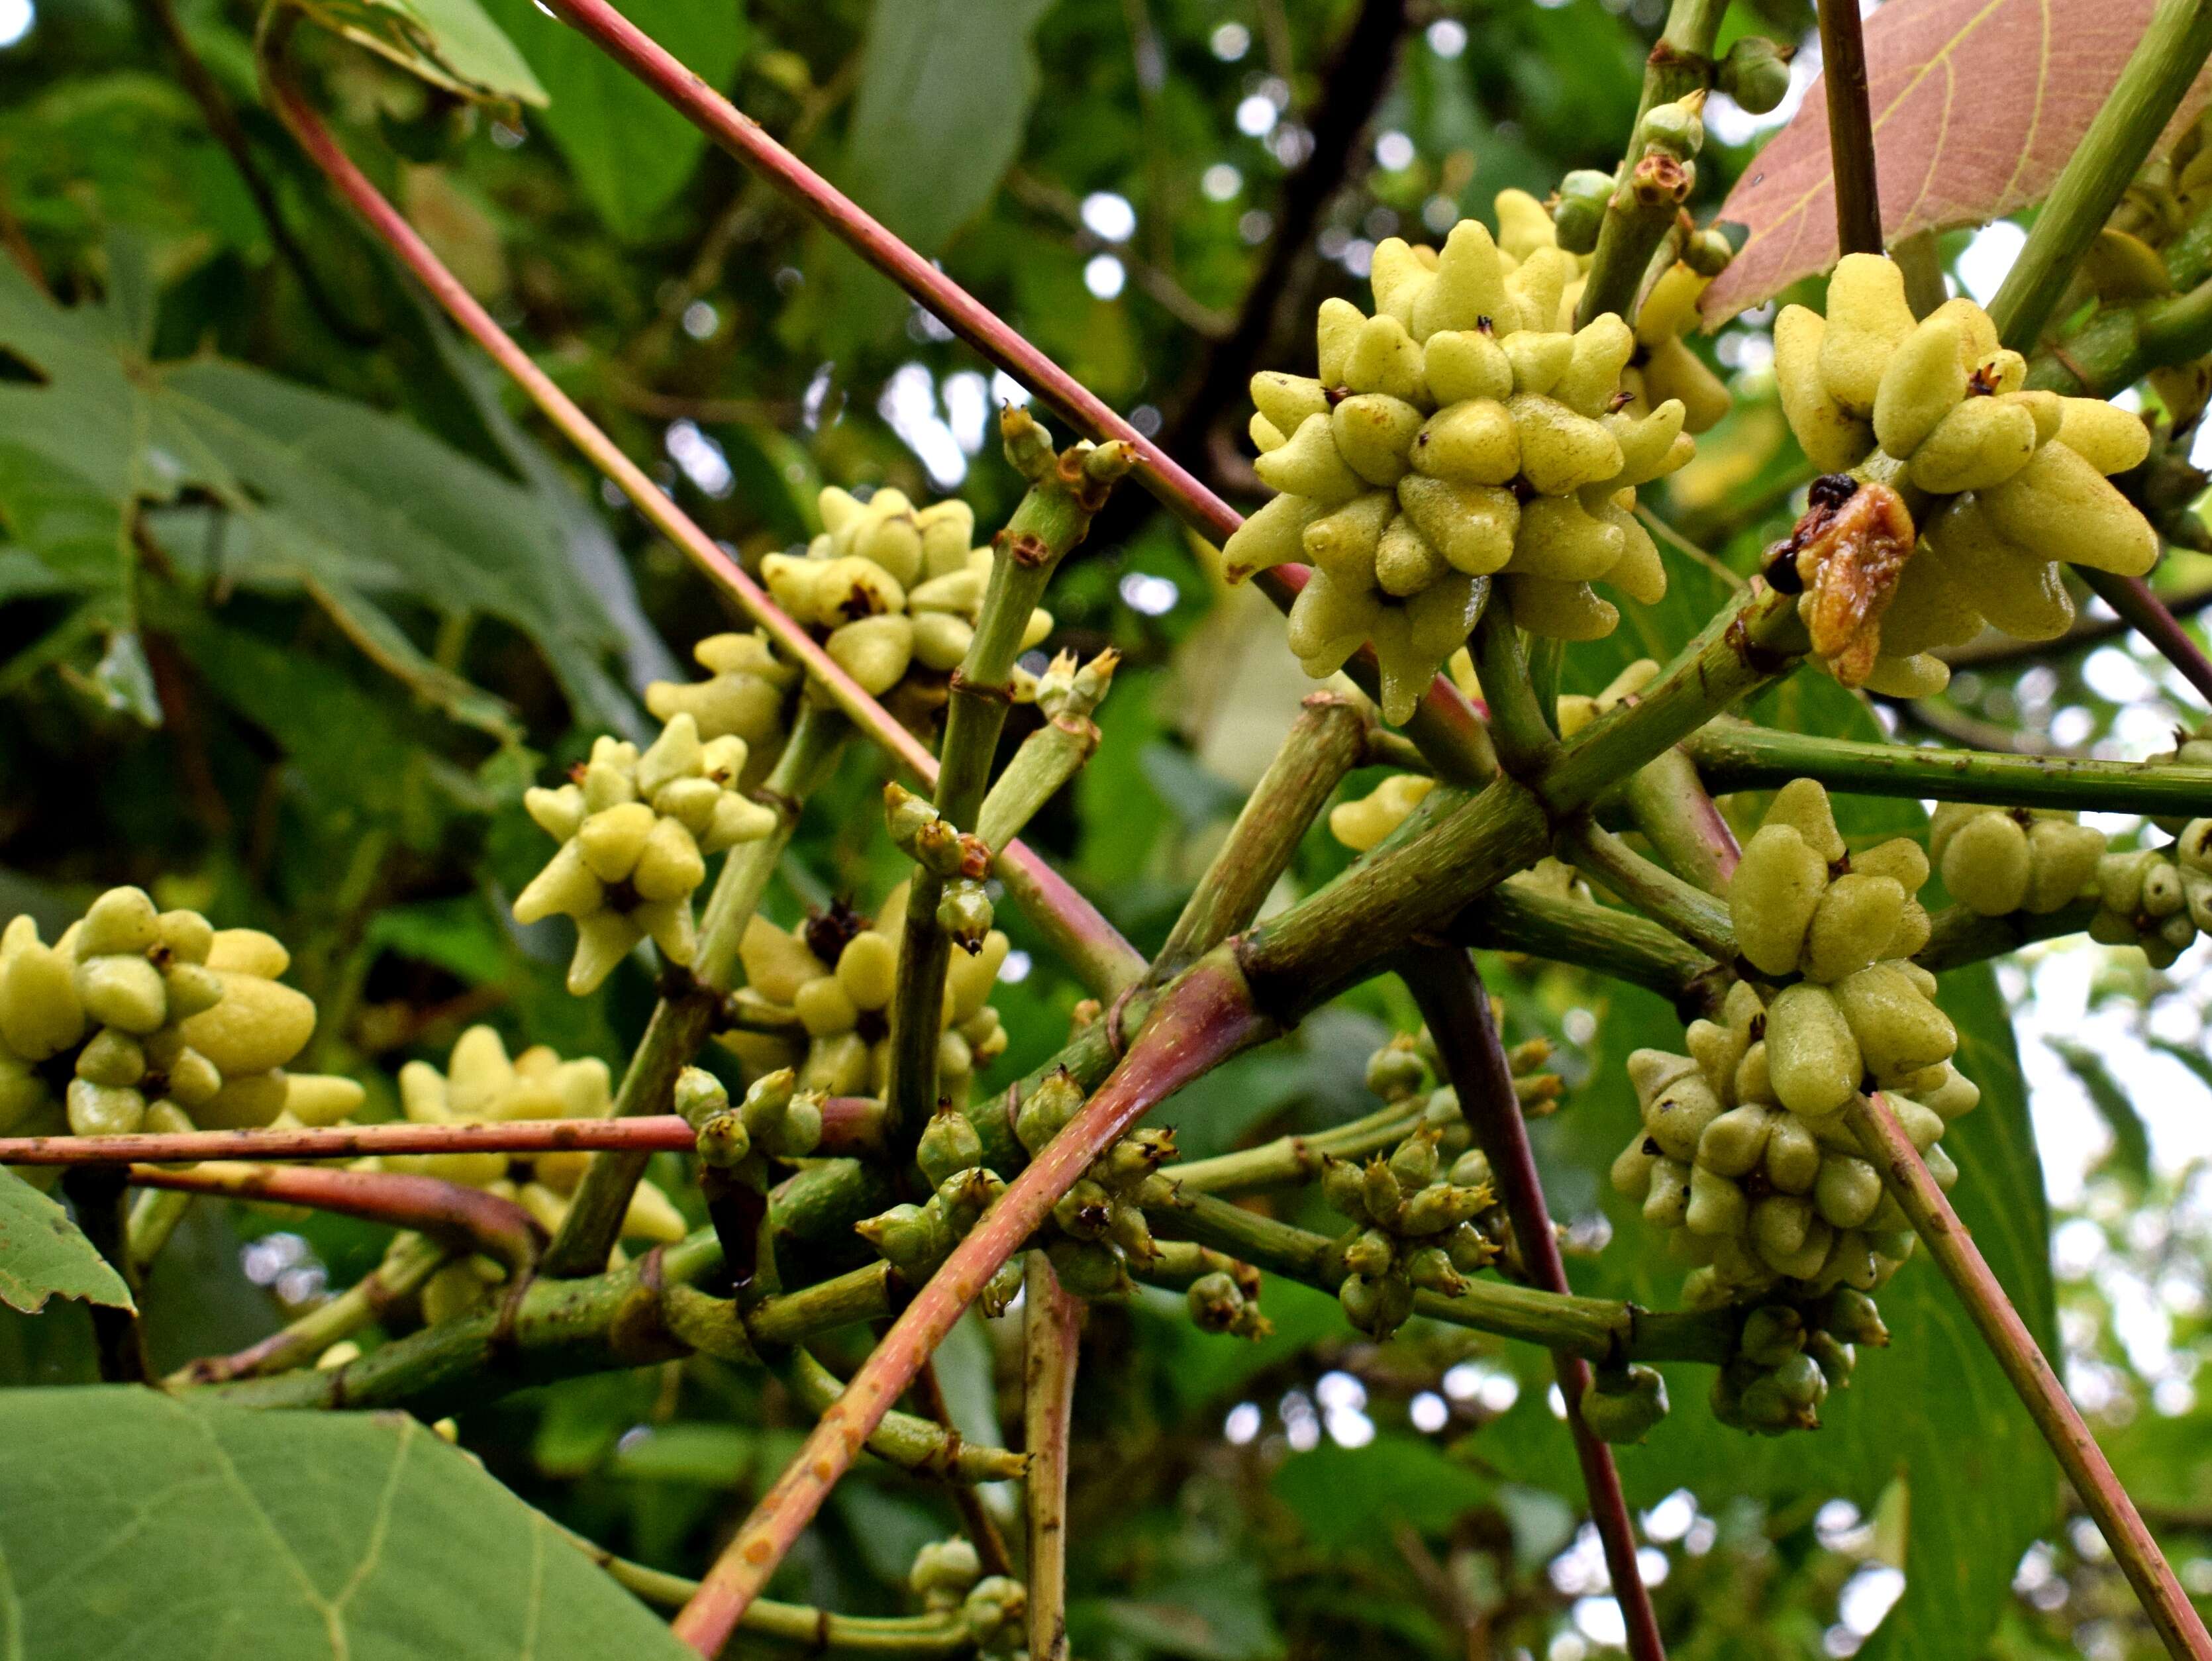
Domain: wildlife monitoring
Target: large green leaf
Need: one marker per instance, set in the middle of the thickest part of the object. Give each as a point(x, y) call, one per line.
point(449, 43)
point(253, 481)
point(44, 1255)
point(135, 1524)
point(945, 89)
point(629, 150)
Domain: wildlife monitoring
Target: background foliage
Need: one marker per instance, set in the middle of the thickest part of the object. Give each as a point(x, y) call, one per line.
point(293, 603)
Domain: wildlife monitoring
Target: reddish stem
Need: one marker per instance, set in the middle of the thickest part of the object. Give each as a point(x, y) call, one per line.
point(446, 1211)
point(1073, 915)
point(1445, 726)
point(1448, 989)
point(1850, 128)
point(850, 1124)
point(1209, 1018)
point(2142, 611)
point(2045, 1397)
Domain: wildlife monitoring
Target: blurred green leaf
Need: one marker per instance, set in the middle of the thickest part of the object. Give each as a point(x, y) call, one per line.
point(630, 150)
point(449, 43)
point(2130, 1152)
point(1350, 1497)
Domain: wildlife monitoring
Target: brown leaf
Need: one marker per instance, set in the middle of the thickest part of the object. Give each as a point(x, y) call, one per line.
point(1977, 104)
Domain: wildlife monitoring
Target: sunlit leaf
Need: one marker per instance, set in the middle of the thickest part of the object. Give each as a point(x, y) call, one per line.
point(1976, 106)
point(44, 1255)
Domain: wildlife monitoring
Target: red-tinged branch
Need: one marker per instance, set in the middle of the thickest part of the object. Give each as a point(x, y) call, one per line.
point(1073, 916)
point(1850, 128)
point(1445, 727)
point(1208, 1018)
point(467, 1218)
point(2142, 611)
point(2025, 1366)
point(850, 1124)
point(1450, 993)
point(1052, 1334)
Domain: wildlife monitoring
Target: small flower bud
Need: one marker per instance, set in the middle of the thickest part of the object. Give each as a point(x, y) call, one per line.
point(1756, 73)
point(949, 1143)
point(1772, 1333)
point(1623, 1406)
point(1396, 1070)
point(964, 914)
point(1576, 220)
point(1048, 1107)
point(700, 1095)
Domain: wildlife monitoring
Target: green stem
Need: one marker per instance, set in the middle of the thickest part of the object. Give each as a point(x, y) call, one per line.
point(1681, 64)
point(1512, 918)
point(1598, 1328)
point(680, 1023)
point(2150, 89)
point(913, 1444)
point(1519, 725)
point(2024, 1364)
point(816, 1632)
point(410, 1260)
point(2121, 344)
point(1958, 937)
point(1670, 806)
point(1689, 911)
point(1047, 759)
point(635, 1316)
point(1324, 743)
point(1290, 1159)
point(1738, 755)
point(1052, 1338)
point(1065, 490)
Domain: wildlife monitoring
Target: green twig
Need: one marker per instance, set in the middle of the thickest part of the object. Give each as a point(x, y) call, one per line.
point(1737, 756)
point(1512, 917)
point(1324, 743)
point(1668, 801)
point(2150, 89)
point(410, 1260)
point(912, 1443)
point(1686, 911)
point(1065, 490)
point(1520, 726)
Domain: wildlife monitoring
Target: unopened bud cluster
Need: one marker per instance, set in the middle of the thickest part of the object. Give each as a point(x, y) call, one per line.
point(635, 828)
point(2158, 899)
point(1466, 431)
point(2000, 859)
point(1789, 1357)
point(776, 1119)
point(948, 1575)
point(2017, 480)
point(137, 1019)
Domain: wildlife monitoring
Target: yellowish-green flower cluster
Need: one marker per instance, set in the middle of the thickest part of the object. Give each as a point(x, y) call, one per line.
point(817, 999)
point(742, 697)
point(889, 586)
point(635, 829)
point(948, 1575)
point(2016, 480)
point(138, 1019)
point(481, 1085)
point(1996, 859)
point(1466, 431)
point(2158, 899)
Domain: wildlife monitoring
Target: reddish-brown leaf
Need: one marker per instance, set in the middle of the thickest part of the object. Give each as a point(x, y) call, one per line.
point(1977, 104)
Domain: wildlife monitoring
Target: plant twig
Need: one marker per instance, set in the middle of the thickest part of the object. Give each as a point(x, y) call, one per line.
point(1685, 909)
point(848, 1125)
point(1668, 801)
point(410, 1260)
point(2085, 1467)
point(982, 1528)
point(928, 1448)
point(1520, 726)
point(1736, 755)
point(467, 1218)
point(1449, 989)
point(1680, 64)
point(1597, 1328)
point(1324, 743)
point(1850, 128)
point(1066, 490)
point(1513, 917)
point(2150, 89)
point(2142, 610)
point(1052, 1336)
point(1209, 1018)
point(1071, 916)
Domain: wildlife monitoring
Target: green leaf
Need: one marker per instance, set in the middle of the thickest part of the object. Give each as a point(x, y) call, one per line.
point(295, 492)
point(1350, 1497)
point(449, 43)
point(43, 1254)
point(136, 1523)
point(2131, 1136)
point(629, 150)
point(946, 90)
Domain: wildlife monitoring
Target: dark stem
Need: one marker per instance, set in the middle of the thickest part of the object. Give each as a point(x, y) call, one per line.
point(98, 1197)
point(975, 1516)
point(1850, 128)
point(1445, 983)
point(2142, 610)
